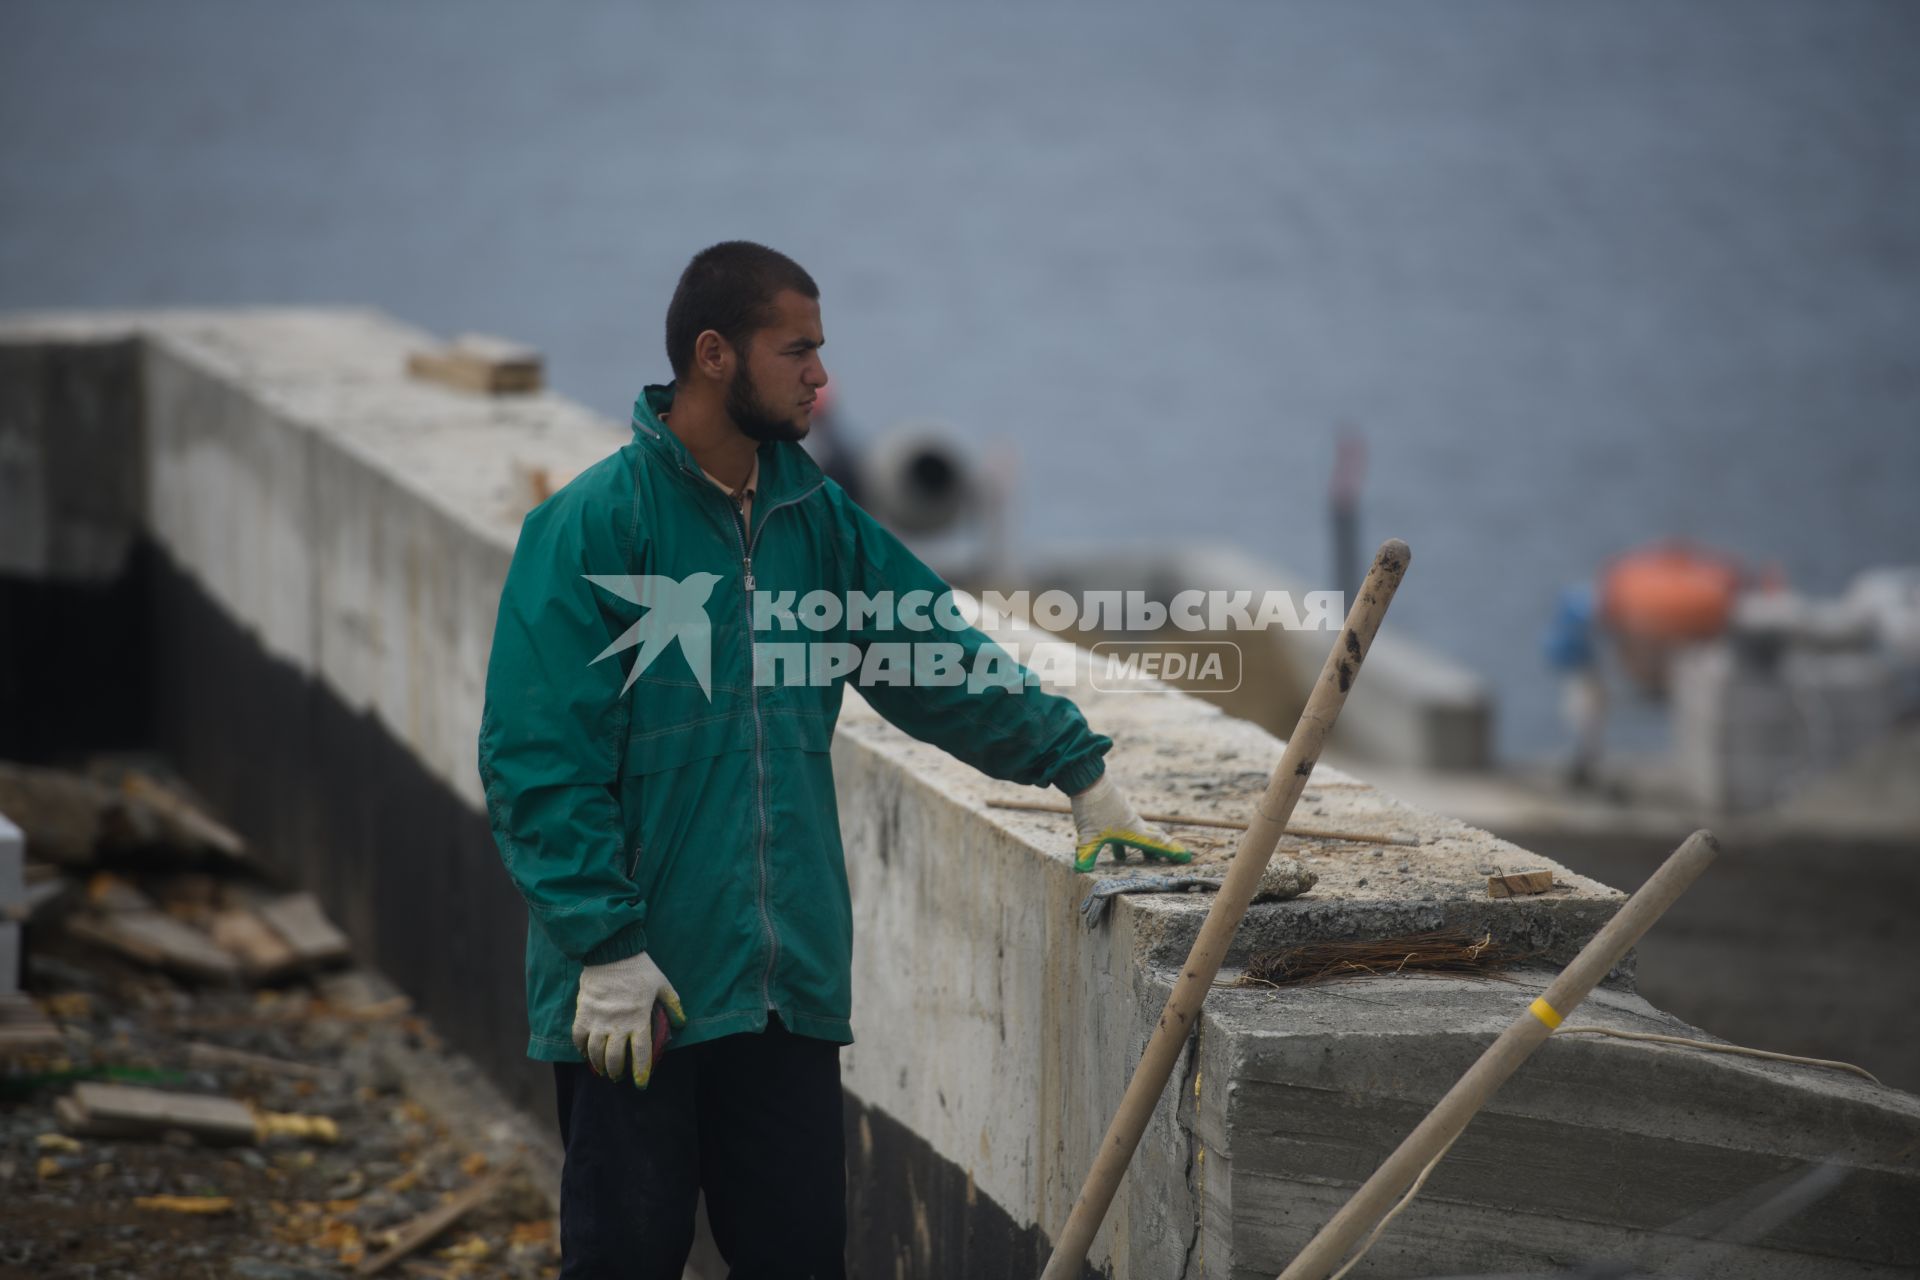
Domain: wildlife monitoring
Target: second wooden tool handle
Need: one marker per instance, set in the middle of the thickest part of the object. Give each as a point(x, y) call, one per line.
point(1431, 1137)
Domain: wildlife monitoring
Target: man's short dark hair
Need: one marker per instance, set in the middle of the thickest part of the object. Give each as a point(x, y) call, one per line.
point(729, 288)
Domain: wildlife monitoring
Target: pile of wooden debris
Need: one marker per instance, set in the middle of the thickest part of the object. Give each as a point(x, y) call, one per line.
point(196, 1080)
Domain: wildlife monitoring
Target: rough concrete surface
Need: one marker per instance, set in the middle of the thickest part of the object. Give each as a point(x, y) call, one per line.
point(1597, 1148)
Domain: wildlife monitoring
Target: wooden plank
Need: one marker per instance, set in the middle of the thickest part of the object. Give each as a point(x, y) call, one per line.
point(64, 816)
point(185, 1204)
point(202, 1054)
point(434, 1221)
point(71, 1115)
point(130, 1111)
point(156, 938)
point(355, 990)
point(188, 818)
point(299, 919)
point(110, 893)
point(1519, 884)
point(481, 363)
point(497, 351)
point(258, 948)
point(25, 1026)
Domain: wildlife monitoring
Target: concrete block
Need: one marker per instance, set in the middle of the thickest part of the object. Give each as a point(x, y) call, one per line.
point(9, 956)
point(1747, 736)
point(1847, 701)
point(1596, 1148)
point(13, 864)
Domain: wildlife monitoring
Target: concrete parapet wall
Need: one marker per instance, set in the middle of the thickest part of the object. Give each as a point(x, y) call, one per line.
point(329, 542)
point(998, 1027)
point(1602, 1148)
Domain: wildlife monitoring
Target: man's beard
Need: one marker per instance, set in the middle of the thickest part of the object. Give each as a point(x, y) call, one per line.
point(752, 416)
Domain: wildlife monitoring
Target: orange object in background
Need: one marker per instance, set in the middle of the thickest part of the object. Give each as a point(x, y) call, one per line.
point(1669, 591)
point(1658, 598)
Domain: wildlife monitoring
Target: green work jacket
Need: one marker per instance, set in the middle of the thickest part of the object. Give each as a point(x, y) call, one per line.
point(686, 809)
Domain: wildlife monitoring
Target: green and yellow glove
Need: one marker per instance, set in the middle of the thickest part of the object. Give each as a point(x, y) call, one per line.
point(1103, 818)
point(618, 1025)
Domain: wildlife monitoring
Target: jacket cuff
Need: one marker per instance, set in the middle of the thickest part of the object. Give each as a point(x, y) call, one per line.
point(1078, 777)
point(629, 941)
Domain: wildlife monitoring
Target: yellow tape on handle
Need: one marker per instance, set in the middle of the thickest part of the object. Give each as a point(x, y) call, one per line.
point(1546, 1013)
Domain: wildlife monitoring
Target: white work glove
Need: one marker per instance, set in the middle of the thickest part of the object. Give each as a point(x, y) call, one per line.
point(616, 1025)
point(1102, 817)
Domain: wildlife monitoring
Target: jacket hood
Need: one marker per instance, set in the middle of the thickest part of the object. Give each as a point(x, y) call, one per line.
point(786, 469)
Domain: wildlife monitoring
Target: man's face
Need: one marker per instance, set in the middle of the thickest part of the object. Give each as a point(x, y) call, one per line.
point(771, 396)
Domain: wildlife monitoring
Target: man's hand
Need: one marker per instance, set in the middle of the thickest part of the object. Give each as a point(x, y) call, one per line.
point(614, 1020)
point(1102, 817)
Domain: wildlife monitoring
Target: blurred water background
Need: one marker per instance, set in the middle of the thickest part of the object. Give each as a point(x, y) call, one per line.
point(1583, 275)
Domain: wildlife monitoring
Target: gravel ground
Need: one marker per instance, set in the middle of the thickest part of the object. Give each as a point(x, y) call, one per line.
point(300, 1207)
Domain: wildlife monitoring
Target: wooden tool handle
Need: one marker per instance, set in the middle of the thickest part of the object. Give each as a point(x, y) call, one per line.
point(1229, 906)
point(1451, 1114)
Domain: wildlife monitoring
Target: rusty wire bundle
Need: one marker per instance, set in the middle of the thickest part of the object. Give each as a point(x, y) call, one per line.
point(1442, 951)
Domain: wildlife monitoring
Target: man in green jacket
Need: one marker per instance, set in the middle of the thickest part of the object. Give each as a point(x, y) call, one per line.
point(654, 753)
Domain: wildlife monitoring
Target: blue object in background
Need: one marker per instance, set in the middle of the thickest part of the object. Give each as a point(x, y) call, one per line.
point(1568, 641)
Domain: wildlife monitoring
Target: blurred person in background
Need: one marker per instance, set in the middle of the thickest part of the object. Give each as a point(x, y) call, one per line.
point(828, 444)
point(1572, 648)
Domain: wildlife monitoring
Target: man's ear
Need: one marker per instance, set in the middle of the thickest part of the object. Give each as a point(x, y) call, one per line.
point(713, 356)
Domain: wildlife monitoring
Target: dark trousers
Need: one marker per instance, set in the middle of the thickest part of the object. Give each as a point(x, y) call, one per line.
point(753, 1120)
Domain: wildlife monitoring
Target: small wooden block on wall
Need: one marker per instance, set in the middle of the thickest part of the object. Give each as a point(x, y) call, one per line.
point(483, 364)
point(1519, 884)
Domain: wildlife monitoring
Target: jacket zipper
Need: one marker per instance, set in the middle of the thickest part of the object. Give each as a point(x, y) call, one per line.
point(747, 543)
point(759, 762)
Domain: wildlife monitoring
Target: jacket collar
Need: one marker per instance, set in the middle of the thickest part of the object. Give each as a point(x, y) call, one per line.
point(786, 470)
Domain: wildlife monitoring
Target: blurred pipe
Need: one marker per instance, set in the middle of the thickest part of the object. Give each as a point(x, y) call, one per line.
point(916, 482)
